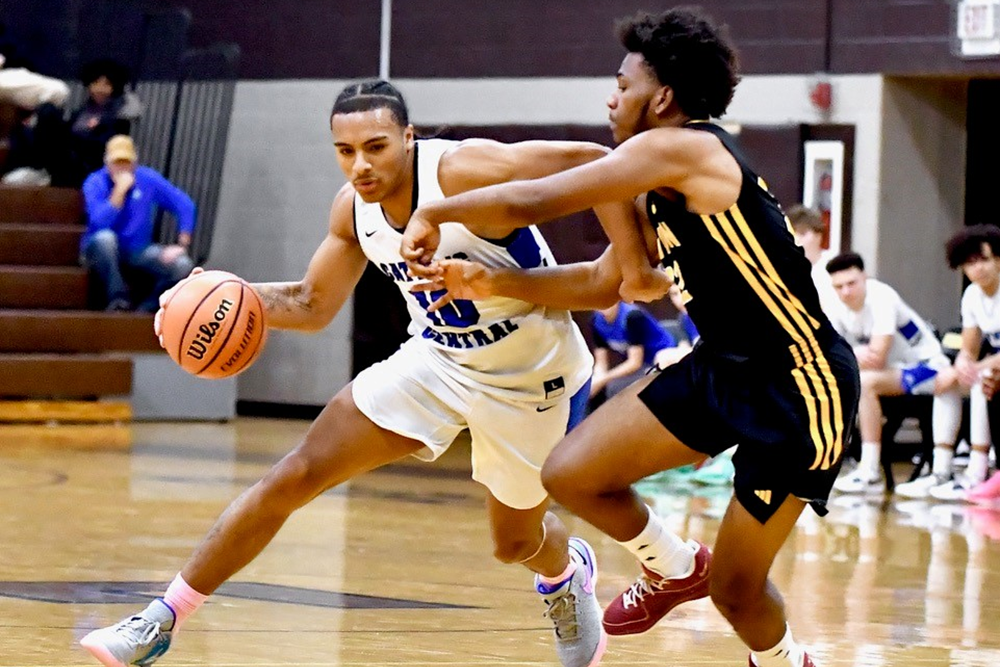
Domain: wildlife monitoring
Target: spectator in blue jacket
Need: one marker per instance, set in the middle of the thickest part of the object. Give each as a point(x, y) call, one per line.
point(121, 201)
point(631, 331)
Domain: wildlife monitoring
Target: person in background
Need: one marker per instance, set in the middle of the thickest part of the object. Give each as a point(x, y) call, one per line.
point(629, 330)
point(67, 150)
point(121, 200)
point(976, 251)
point(809, 229)
point(898, 353)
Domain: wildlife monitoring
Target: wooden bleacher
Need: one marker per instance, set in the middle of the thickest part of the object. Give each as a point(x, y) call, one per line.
point(59, 362)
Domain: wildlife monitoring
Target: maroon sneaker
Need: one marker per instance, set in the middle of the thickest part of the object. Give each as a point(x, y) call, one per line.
point(651, 597)
point(806, 661)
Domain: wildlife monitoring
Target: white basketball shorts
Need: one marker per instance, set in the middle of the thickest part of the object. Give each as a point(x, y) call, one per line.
point(418, 394)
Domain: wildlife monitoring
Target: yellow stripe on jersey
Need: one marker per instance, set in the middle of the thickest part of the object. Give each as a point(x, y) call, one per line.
point(767, 284)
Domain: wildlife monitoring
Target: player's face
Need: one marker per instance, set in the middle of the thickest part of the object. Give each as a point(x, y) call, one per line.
point(851, 286)
point(629, 110)
point(984, 269)
point(373, 151)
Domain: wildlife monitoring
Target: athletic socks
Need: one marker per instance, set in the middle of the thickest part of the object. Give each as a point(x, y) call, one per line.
point(660, 550)
point(549, 585)
point(942, 461)
point(786, 653)
point(869, 465)
point(183, 599)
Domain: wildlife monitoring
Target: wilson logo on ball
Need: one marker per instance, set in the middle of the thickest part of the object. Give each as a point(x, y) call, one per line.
point(206, 332)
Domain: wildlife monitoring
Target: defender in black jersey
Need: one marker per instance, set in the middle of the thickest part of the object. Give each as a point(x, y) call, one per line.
point(768, 374)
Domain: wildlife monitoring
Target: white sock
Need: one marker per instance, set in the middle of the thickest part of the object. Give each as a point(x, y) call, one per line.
point(660, 550)
point(946, 416)
point(943, 456)
point(869, 464)
point(785, 653)
point(979, 464)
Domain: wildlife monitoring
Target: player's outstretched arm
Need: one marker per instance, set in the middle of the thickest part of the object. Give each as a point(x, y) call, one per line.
point(683, 160)
point(335, 268)
point(580, 286)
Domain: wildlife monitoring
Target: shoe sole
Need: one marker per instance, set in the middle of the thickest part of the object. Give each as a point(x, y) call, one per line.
point(101, 653)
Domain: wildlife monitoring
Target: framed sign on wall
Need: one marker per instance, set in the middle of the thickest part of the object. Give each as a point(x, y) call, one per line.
point(823, 178)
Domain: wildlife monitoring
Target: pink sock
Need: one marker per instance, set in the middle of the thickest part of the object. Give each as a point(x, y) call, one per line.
point(183, 599)
point(558, 579)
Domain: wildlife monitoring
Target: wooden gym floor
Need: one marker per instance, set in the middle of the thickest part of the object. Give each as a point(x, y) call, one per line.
point(394, 569)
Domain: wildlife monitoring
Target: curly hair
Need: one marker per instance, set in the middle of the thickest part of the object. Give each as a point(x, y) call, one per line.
point(372, 94)
point(115, 72)
point(688, 53)
point(968, 244)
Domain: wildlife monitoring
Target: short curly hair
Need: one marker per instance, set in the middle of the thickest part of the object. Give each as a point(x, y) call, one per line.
point(968, 243)
point(687, 52)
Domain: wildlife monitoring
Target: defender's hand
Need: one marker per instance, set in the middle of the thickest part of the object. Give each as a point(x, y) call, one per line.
point(421, 239)
point(461, 278)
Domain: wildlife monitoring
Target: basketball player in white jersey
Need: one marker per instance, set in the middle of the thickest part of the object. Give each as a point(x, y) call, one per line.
point(514, 373)
point(976, 251)
point(898, 353)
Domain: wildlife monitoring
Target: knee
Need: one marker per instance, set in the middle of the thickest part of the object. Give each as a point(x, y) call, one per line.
point(181, 267)
point(514, 550)
point(103, 243)
point(734, 596)
point(559, 476)
point(292, 482)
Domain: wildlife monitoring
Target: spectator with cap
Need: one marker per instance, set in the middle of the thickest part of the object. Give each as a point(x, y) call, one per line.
point(121, 201)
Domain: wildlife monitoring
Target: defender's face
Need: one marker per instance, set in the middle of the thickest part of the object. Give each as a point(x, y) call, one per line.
point(851, 286)
point(983, 269)
point(629, 106)
point(373, 151)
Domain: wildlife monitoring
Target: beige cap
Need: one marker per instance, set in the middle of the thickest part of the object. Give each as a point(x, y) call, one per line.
point(120, 147)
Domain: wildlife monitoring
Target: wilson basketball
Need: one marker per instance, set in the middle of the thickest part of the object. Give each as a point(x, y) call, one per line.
point(213, 325)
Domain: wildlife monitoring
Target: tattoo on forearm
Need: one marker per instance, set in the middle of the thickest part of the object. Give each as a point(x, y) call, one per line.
point(285, 297)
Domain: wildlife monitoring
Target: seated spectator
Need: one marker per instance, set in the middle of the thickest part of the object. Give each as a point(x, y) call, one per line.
point(67, 150)
point(810, 230)
point(631, 331)
point(976, 251)
point(24, 88)
point(898, 353)
point(121, 200)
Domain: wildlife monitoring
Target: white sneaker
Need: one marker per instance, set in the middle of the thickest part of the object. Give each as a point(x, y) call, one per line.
point(856, 482)
point(136, 640)
point(920, 487)
point(952, 490)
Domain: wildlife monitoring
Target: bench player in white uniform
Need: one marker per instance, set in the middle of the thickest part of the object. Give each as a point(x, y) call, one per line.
point(515, 374)
point(976, 251)
point(898, 353)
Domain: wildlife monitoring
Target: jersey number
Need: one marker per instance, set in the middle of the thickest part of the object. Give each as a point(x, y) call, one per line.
point(458, 313)
point(673, 272)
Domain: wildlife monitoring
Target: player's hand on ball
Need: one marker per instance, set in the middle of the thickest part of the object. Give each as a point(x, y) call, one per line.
point(164, 298)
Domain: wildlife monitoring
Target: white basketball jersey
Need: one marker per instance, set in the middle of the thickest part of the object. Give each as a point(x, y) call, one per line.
point(537, 353)
point(982, 311)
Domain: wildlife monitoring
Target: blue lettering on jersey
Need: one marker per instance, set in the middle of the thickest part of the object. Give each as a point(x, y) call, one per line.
point(461, 340)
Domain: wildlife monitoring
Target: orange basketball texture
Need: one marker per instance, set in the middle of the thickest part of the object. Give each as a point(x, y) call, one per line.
point(213, 325)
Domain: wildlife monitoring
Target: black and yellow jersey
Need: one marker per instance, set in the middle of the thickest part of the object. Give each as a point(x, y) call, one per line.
point(746, 284)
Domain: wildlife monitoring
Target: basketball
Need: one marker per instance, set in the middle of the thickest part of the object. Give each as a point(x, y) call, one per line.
point(213, 325)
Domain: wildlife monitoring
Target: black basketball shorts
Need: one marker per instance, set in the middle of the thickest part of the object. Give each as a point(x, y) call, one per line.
point(790, 424)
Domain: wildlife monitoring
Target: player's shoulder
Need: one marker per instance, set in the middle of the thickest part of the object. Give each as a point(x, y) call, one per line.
point(342, 210)
point(973, 293)
point(881, 291)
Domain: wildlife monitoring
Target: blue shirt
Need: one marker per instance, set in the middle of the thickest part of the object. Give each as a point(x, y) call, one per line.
point(632, 326)
point(133, 222)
